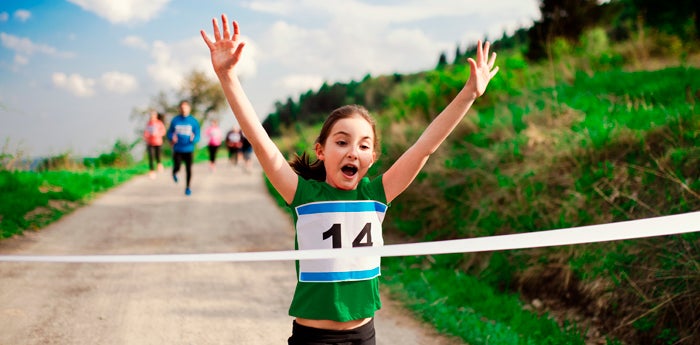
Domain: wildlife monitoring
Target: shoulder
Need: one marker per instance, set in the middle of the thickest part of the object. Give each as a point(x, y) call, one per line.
point(306, 189)
point(373, 188)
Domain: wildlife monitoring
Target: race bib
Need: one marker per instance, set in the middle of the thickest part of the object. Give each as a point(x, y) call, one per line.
point(339, 224)
point(234, 137)
point(183, 130)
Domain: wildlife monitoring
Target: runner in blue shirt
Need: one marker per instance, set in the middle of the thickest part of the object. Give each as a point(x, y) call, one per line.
point(183, 133)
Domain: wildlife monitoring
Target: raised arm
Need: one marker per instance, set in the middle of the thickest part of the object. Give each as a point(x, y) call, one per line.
point(226, 52)
point(406, 168)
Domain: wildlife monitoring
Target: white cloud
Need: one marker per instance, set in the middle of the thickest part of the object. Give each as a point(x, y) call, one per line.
point(21, 60)
point(400, 12)
point(289, 45)
point(74, 83)
point(352, 38)
point(135, 42)
point(115, 82)
point(118, 82)
point(297, 82)
point(22, 15)
point(123, 11)
point(271, 7)
point(173, 61)
point(25, 46)
point(4, 16)
point(166, 71)
point(342, 54)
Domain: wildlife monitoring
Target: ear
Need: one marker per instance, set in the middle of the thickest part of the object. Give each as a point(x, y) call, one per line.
point(319, 151)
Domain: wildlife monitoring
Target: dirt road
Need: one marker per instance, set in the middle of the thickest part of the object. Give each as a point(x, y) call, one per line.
point(173, 303)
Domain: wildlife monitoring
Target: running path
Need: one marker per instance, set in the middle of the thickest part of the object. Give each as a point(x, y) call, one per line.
point(167, 303)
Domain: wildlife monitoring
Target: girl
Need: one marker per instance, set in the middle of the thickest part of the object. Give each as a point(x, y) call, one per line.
point(215, 135)
point(335, 204)
point(153, 135)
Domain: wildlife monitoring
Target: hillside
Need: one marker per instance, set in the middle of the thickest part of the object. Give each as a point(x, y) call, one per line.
point(593, 135)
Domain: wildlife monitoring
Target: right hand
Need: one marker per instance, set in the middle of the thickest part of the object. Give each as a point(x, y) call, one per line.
point(482, 69)
point(175, 138)
point(225, 50)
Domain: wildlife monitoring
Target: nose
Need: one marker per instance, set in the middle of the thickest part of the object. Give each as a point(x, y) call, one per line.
point(353, 152)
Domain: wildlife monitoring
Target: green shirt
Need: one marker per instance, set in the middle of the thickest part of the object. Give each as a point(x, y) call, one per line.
point(343, 297)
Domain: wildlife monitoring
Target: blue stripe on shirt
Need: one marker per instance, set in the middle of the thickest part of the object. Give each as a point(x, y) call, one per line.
point(341, 206)
point(338, 276)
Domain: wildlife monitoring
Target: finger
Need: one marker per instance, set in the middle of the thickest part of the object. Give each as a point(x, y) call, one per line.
point(493, 72)
point(472, 66)
point(492, 60)
point(479, 51)
point(239, 51)
point(207, 40)
point(227, 30)
point(236, 31)
point(217, 33)
point(487, 47)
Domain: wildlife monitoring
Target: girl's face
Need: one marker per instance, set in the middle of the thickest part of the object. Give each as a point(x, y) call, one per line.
point(348, 152)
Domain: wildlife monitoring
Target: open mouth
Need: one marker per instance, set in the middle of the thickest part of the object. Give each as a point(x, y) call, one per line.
point(349, 170)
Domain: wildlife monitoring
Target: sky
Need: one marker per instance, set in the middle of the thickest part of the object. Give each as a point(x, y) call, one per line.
point(72, 71)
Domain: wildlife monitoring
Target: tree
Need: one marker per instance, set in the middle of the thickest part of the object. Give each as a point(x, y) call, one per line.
point(560, 18)
point(204, 94)
point(678, 17)
point(458, 55)
point(442, 62)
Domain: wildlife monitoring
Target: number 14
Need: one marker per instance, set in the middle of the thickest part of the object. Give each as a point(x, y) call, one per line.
point(365, 234)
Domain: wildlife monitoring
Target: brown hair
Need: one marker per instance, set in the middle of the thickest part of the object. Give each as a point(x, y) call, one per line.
point(315, 170)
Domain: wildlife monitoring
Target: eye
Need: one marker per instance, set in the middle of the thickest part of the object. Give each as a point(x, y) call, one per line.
point(364, 147)
point(341, 142)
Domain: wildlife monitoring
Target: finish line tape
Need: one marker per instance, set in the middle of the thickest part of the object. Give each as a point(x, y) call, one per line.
point(658, 226)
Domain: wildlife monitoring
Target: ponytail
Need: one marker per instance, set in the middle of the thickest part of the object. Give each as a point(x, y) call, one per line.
point(303, 166)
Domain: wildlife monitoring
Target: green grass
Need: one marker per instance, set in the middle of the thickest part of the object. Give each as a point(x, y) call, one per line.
point(618, 146)
point(462, 305)
point(32, 200)
point(615, 145)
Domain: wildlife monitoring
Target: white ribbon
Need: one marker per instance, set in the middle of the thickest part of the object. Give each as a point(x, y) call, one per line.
point(658, 226)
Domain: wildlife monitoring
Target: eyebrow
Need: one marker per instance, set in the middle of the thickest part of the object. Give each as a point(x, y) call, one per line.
point(348, 134)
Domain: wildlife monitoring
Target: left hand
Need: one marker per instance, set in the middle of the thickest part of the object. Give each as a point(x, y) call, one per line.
point(481, 70)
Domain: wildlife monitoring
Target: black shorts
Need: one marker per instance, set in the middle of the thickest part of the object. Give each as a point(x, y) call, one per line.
point(303, 335)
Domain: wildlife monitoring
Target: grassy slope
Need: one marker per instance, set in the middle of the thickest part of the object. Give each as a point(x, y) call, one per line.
point(549, 146)
point(592, 149)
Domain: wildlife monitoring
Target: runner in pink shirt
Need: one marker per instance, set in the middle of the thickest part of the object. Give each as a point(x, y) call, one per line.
point(153, 136)
point(215, 136)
